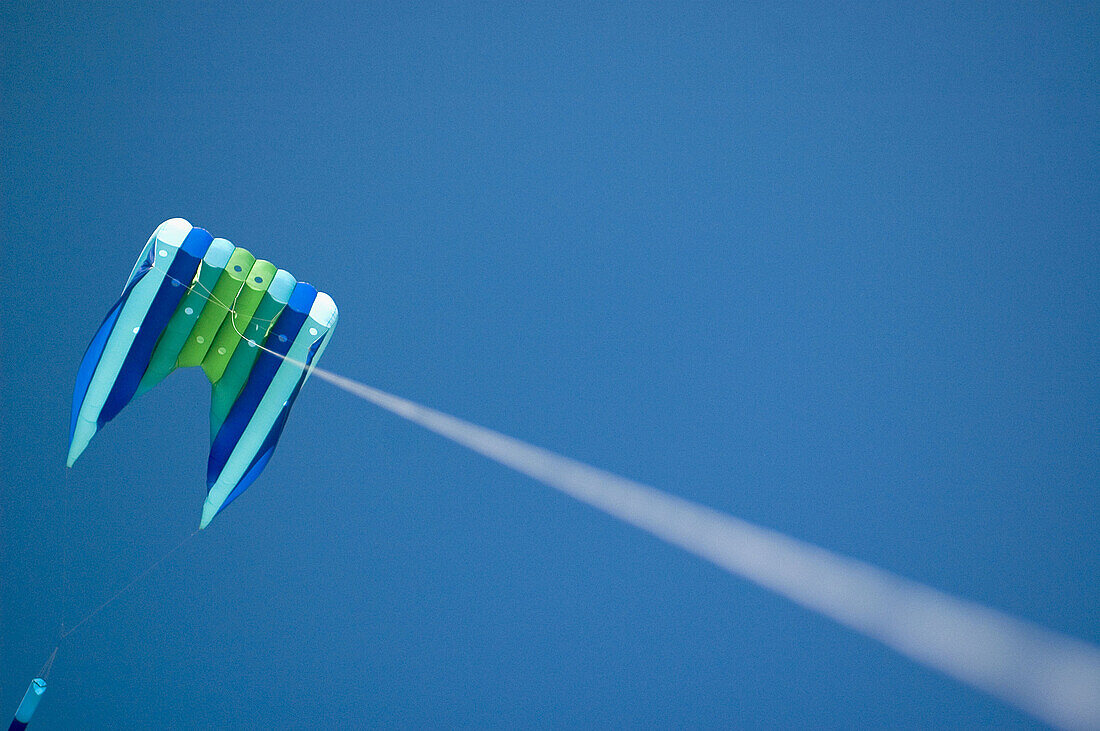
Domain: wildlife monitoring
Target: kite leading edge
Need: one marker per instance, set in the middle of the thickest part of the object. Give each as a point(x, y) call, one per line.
point(196, 300)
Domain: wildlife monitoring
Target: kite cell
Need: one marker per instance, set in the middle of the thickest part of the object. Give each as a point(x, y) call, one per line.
point(194, 300)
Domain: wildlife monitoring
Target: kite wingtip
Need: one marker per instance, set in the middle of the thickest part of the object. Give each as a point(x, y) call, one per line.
point(83, 431)
point(208, 513)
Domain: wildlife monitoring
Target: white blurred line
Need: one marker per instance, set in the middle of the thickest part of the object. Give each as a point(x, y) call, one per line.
point(1053, 677)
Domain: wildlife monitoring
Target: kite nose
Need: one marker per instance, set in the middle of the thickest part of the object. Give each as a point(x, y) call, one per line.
point(82, 435)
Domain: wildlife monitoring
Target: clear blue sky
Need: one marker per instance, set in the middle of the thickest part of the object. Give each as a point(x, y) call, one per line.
point(834, 271)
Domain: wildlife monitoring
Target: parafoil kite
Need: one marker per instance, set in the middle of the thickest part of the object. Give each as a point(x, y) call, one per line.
point(194, 300)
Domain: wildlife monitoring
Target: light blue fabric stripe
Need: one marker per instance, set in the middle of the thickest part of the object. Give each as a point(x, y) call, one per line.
point(279, 341)
point(169, 236)
point(173, 284)
point(90, 361)
point(268, 447)
point(266, 418)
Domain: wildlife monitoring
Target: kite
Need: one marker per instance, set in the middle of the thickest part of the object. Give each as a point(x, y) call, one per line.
point(196, 300)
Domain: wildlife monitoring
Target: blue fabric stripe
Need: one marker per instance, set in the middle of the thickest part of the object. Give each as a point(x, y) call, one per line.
point(267, 365)
point(168, 296)
point(255, 468)
point(272, 438)
point(92, 355)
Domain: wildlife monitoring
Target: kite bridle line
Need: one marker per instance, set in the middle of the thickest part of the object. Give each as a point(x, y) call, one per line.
point(230, 309)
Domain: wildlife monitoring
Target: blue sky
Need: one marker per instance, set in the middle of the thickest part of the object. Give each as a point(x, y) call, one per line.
point(832, 270)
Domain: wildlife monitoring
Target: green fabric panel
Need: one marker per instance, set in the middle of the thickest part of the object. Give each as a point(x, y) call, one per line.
point(225, 292)
point(228, 387)
point(179, 327)
point(229, 334)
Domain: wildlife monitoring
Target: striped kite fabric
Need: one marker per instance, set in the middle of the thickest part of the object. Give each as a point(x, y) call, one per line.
point(196, 300)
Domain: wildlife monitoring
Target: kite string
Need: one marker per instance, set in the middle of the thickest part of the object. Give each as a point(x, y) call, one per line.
point(44, 672)
point(119, 593)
